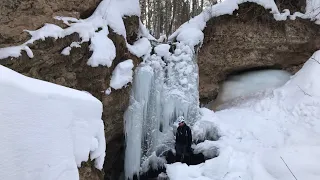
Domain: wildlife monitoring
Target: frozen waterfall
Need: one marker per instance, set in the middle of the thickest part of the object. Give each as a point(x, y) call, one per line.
point(165, 86)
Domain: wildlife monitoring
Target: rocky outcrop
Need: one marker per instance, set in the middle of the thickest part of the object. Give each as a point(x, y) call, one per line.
point(18, 15)
point(72, 71)
point(251, 39)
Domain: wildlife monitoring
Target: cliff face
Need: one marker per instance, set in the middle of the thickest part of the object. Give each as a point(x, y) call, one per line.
point(251, 39)
point(72, 71)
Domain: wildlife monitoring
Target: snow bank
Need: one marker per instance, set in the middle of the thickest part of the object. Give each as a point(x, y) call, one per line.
point(47, 130)
point(260, 135)
point(122, 74)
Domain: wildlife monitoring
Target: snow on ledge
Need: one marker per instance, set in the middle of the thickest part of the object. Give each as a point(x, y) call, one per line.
point(95, 28)
point(47, 130)
point(196, 25)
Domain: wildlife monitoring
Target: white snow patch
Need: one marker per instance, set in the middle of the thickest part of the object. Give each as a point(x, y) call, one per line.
point(140, 47)
point(103, 49)
point(66, 51)
point(162, 50)
point(122, 74)
point(47, 130)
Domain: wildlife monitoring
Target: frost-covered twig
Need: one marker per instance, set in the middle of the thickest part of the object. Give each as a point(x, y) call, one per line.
point(304, 92)
point(288, 168)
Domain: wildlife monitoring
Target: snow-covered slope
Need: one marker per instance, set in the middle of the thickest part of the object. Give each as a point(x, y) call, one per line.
point(260, 136)
point(47, 130)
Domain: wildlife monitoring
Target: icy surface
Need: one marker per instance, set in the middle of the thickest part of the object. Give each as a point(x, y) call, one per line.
point(165, 86)
point(246, 84)
point(259, 133)
point(47, 130)
point(122, 74)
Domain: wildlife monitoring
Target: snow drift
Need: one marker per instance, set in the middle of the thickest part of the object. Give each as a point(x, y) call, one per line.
point(47, 130)
point(260, 136)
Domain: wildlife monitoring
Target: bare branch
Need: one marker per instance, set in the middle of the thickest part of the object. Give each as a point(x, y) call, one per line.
point(304, 92)
point(288, 168)
point(315, 60)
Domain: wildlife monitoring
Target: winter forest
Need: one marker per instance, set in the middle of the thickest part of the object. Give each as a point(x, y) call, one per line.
point(163, 17)
point(160, 90)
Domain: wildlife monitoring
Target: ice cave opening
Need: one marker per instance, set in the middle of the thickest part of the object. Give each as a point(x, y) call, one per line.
point(247, 84)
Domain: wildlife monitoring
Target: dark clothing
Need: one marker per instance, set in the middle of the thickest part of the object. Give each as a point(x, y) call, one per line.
point(184, 136)
point(183, 144)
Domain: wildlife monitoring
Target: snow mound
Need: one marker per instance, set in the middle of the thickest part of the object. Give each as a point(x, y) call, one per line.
point(122, 74)
point(259, 139)
point(47, 130)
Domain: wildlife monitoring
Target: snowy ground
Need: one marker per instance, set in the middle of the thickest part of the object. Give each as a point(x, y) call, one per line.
point(257, 135)
point(47, 130)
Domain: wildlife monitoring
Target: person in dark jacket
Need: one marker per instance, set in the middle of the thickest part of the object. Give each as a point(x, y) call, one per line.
point(183, 142)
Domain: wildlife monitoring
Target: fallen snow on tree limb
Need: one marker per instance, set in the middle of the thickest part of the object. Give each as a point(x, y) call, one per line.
point(47, 130)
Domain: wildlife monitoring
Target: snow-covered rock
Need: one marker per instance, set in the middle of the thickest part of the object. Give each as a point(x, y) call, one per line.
point(47, 130)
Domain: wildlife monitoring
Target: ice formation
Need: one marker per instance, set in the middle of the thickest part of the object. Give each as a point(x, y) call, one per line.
point(163, 89)
point(47, 130)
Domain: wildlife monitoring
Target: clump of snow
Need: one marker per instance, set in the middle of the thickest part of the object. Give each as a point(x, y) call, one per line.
point(191, 36)
point(66, 51)
point(15, 51)
point(162, 50)
point(100, 44)
point(108, 91)
point(122, 74)
point(140, 47)
point(258, 138)
point(47, 130)
point(48, 30)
